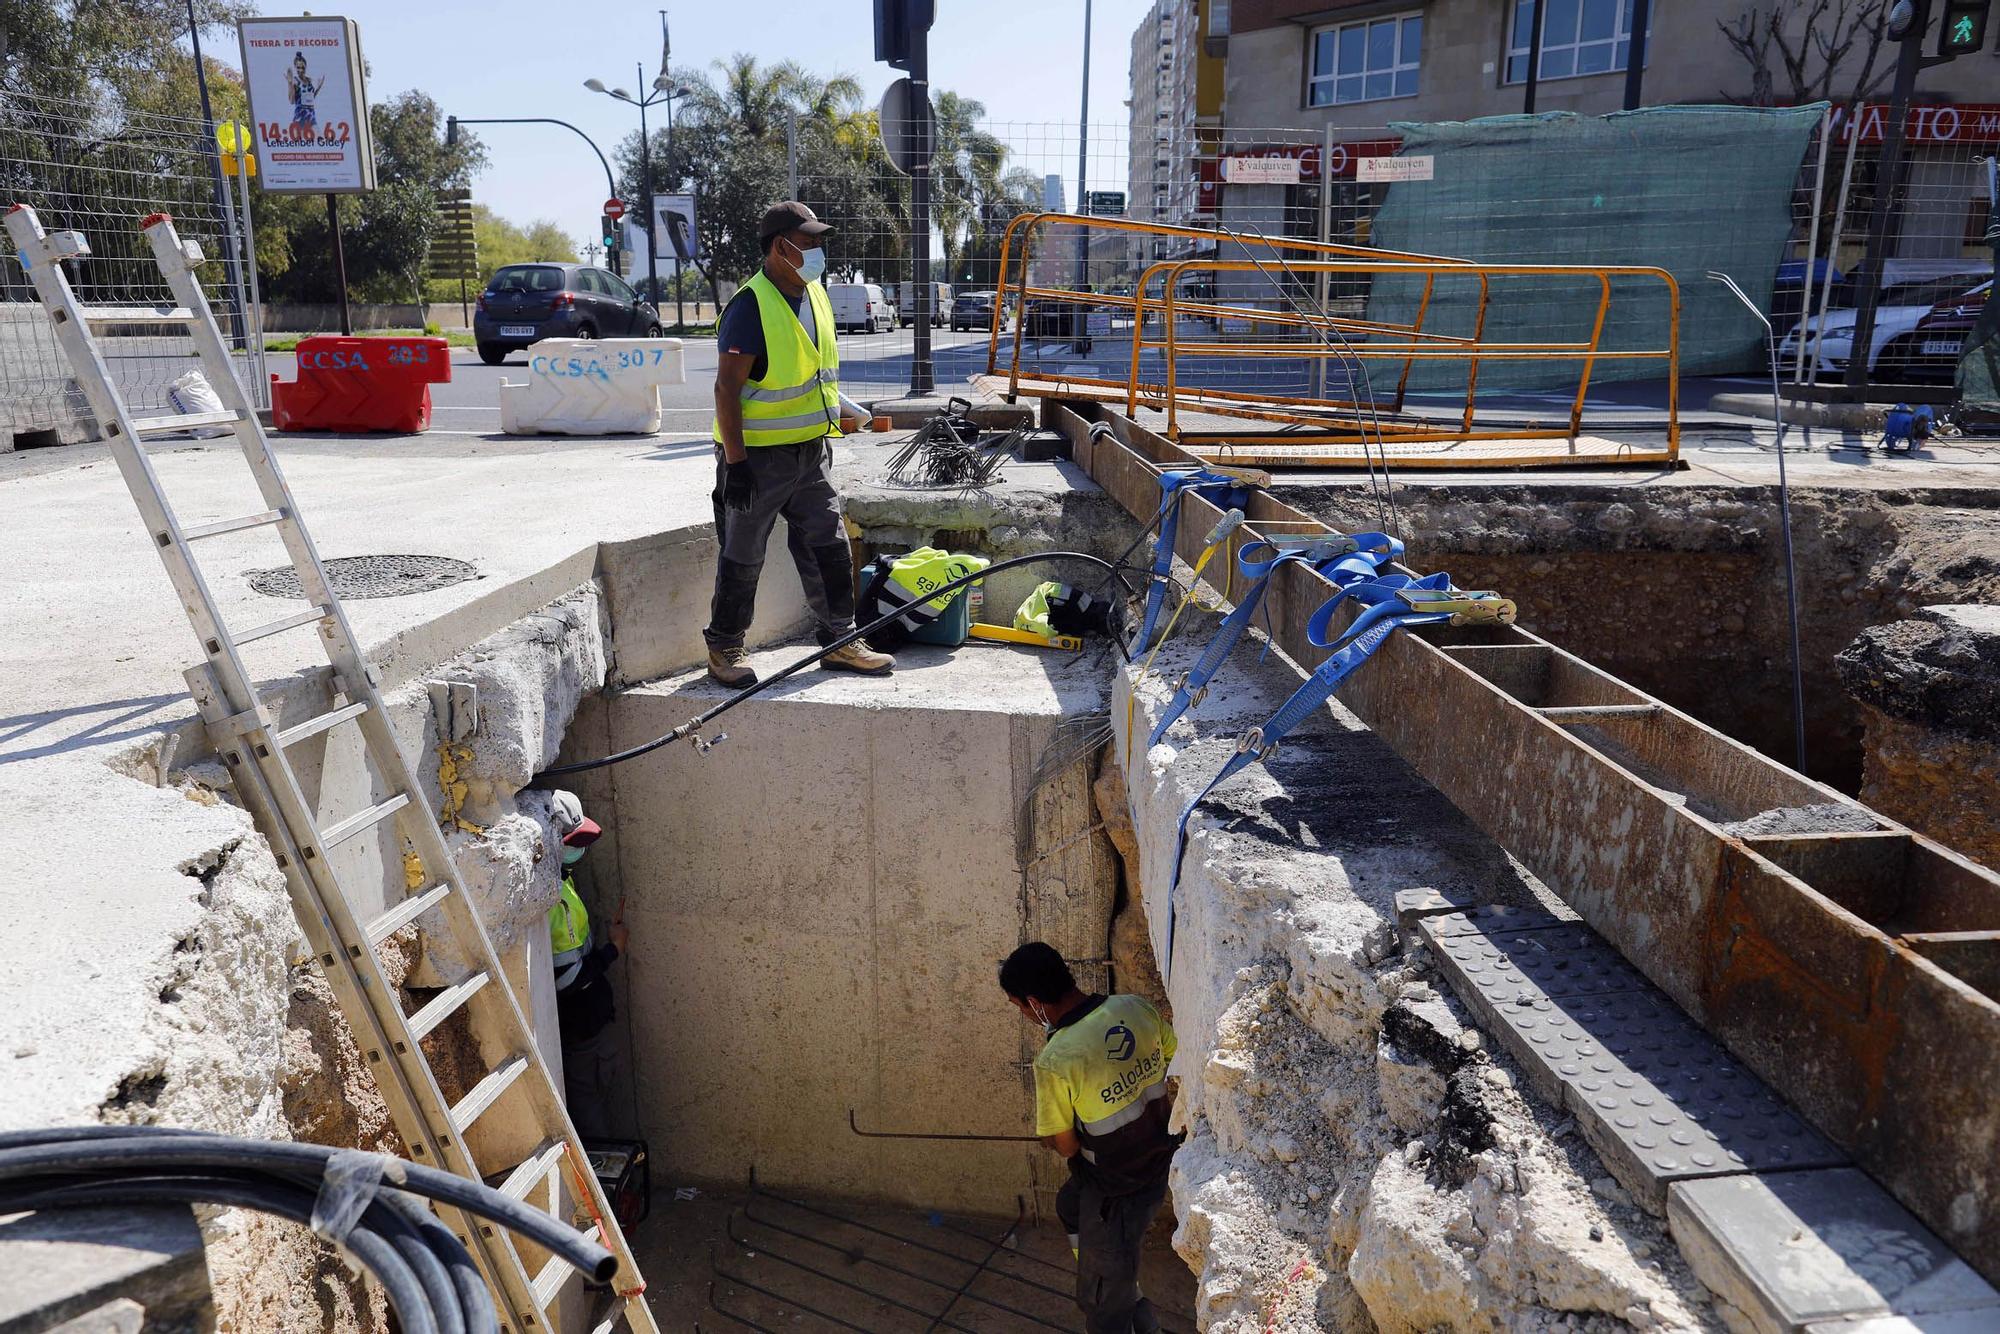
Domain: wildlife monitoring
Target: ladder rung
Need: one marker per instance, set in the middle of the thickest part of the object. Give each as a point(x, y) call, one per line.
point(334, 835)
point(486, 1092)
point(394, 920)
point(550, 1282)
point(185, 421)
point(220, 526)
point(137, 315)
point(289, 736)
point(282, 624)
point(532, 1170)
point(445, 1003)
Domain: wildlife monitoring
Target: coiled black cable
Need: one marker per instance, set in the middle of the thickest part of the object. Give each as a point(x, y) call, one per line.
point(424, 1270)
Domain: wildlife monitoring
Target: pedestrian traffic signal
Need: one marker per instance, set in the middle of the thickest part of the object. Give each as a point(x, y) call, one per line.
point(609, 228)
point(897, 24)
point(1962, 28)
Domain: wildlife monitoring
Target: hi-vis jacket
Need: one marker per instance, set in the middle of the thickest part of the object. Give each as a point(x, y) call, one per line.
point(798, 400)
point(1103, 1074)
point(569, 934)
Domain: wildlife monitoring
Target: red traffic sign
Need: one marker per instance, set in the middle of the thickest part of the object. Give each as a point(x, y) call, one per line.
point(614, 209)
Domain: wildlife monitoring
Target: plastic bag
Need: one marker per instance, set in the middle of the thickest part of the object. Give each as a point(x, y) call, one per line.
point(193, 393)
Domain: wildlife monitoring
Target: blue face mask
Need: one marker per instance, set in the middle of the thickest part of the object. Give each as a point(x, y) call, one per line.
point(812, 263)
point(571, 856)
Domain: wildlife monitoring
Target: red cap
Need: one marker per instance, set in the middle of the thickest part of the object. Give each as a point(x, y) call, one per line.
point(585, 834)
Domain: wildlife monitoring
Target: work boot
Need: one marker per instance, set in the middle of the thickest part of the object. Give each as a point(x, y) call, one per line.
point(858, 657)
point(731, 667)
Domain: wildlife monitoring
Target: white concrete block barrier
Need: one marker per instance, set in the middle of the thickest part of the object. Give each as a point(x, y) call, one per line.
point(584, 386)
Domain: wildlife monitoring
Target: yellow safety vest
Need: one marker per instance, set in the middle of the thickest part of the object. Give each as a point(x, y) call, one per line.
point(569, 933)
point(799, 397)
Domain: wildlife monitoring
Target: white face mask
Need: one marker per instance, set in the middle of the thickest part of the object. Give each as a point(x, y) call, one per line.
point(812, 263)
point(1042, 1018)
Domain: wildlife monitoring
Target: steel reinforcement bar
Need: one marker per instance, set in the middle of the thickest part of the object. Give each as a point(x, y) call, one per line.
point(1858, 973)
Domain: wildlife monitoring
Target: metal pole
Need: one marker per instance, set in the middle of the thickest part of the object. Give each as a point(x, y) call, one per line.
point(791, 155)
point(1833, 241)
point(1635, 63)
point(1321, 279)
point(646, 196)
point(1812, 233)
point(922, 379)
point(339, 263)
point(680, 301)
point(1082, 162)
point(1888, 180)
point(261, 392)
point(231, 261)
point(1534, 57)
point(1784, 523)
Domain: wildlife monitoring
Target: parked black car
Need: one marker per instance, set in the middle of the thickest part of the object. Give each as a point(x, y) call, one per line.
point(525, 303)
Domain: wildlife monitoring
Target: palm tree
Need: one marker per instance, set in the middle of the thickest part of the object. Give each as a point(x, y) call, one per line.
point(965, 172)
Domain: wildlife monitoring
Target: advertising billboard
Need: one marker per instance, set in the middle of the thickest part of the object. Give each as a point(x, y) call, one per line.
point(309, 105)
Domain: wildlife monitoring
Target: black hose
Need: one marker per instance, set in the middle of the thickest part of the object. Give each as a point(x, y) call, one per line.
point(136, 1150)
point(701, 720)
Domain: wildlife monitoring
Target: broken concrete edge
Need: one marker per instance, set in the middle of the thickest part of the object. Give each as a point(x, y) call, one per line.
point(81, 1268)
point(1357, 1156)
point(1861, 417)
point(1940, 668)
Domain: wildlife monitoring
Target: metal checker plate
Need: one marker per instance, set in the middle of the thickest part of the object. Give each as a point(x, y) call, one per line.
point(1558, 959)
point(1657, 1098)
point(1490, 918)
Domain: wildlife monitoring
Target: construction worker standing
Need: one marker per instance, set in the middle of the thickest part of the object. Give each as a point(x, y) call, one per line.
point(778, 407)
point(1101, 1102)
point(585, 1004)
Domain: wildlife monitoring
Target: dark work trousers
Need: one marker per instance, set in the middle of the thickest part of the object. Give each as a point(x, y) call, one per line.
point(1108, 1232)
point(792, 483)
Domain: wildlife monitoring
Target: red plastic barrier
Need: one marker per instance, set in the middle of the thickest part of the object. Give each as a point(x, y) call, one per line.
point(361, 384)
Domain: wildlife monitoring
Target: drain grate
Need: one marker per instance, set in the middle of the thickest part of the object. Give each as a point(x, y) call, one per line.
point(370, 576)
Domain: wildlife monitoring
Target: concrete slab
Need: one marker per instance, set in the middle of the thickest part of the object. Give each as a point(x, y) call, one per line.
point(71, 1264)
point(1951, 1322)
point(1793, 1248)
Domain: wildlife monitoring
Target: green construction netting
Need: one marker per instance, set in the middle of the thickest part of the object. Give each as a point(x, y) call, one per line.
point(1685, 189)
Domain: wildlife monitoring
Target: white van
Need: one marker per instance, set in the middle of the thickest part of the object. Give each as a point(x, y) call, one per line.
point(861, 308)
point(906, 303)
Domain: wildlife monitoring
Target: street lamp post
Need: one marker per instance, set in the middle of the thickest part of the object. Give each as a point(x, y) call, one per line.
point(663, 90)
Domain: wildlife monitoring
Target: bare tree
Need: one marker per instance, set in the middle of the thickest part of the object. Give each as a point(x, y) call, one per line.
point(1796, 49)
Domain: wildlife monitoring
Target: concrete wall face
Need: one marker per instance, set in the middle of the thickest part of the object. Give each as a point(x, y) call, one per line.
point(817, 910)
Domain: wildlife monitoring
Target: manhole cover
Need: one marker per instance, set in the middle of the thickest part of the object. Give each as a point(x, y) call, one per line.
point(370, 576)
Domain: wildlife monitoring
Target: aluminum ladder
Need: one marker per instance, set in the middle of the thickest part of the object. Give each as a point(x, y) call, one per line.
point(525, 1287)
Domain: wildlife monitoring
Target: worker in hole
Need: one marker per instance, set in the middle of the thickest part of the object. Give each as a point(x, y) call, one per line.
point(585, 1004)
point(1101, 1101)
point(778, 408)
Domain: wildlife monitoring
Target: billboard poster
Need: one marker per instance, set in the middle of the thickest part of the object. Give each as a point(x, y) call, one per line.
point(674, 238)
point(309, 105)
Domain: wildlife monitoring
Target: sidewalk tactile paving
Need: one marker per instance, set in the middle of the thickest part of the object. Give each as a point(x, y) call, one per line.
point(1490, 917)
point(1657, 1097)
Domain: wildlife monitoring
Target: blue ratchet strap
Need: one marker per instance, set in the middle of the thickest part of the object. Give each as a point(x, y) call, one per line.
point(1326, 553)
point(1390, 601)
point(1225, 491)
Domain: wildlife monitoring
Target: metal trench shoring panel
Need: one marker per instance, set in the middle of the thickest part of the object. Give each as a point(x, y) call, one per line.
point(1857, 972)
point(806, 1267)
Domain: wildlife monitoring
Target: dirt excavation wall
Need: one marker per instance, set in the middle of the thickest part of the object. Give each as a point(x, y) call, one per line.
point(1358, 1157)
point(818, 907)
point(1679, 590)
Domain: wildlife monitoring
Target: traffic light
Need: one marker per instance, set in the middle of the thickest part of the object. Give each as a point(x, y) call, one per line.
point(608, 225)
point(1962, 28)
point(897, 22)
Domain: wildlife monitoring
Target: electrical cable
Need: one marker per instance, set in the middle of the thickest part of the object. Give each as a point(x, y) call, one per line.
point(694, 725)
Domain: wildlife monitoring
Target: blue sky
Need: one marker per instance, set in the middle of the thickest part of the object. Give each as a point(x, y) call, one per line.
point(1022, 58)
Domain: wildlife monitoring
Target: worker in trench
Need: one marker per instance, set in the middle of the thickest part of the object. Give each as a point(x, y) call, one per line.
point(585, 1003)
point(1101, 1102)
point(778, 408)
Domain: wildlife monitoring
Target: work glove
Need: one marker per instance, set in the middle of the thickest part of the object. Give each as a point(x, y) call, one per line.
point(739, 486)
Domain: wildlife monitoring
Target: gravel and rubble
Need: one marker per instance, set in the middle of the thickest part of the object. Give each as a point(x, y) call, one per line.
point(1358, 1156)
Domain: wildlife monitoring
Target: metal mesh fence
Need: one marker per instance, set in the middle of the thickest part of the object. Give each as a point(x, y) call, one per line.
point(1317, 184)
point(100, 169)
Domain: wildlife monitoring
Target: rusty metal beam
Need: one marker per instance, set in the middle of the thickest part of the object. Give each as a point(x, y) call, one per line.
point(1859, 974)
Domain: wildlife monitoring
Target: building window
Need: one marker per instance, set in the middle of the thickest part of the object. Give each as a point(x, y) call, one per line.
point(1578, 37)
point(1362, 62)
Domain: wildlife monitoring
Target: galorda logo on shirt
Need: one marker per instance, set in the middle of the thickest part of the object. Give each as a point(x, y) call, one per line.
point(1119, 1042)
point(1130, 1081)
